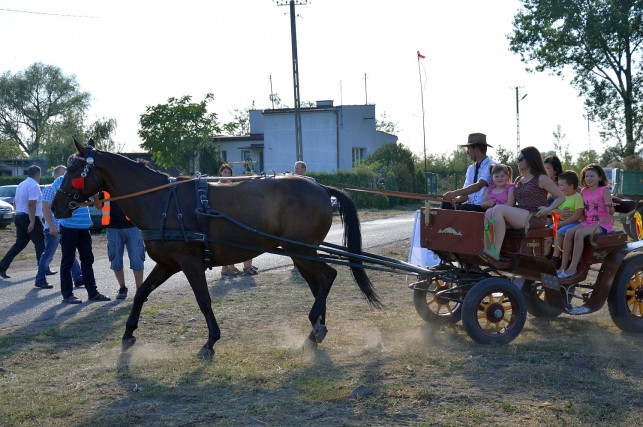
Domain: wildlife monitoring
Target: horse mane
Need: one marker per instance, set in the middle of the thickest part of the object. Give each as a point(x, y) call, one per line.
point(151, 166)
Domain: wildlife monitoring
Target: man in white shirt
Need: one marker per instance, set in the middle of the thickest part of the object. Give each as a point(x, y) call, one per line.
point(28, 203)
point(478, 177)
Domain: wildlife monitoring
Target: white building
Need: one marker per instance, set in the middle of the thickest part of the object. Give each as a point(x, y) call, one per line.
point(333, 138)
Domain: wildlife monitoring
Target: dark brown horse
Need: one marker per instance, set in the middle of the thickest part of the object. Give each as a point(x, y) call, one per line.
point(289, 207)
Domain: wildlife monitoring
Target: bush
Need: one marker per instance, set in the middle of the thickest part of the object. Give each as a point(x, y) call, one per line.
point(17, 179)
point(380, 201)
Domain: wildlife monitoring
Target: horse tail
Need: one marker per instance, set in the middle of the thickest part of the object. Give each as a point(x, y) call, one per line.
point(353, 241)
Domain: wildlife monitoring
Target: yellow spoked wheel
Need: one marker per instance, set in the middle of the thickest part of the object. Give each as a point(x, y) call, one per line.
point(434, 308)
point(536, 300)
point(494, 311)
point(625, 300)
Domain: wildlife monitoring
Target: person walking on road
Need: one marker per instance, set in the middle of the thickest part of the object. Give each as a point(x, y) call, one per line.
point(75, 235)
point(52, 238)
point(28, 204)
point(121, 234)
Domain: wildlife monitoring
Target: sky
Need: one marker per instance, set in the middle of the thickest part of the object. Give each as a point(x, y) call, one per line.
point(134, 54)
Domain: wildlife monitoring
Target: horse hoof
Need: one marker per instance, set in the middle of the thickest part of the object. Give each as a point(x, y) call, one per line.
point(320, 331)
point(127, 343)
point(206, 353)
point(309, 345)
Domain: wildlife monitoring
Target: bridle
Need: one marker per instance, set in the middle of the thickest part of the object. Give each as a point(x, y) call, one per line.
point(79, 183)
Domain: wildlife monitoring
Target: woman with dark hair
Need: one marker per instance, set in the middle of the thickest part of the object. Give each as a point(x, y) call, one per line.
point(531, 189)
point(230, 270)
point(553, 167)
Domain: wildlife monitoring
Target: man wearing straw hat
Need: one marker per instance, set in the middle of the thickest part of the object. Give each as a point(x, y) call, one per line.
point(478, 177)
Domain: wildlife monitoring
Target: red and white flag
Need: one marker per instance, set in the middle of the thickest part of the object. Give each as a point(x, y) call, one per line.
point(420, 56)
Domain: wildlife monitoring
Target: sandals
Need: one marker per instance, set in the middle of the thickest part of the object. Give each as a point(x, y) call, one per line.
point(250, 271)
point(99, 297)
point(226, 271)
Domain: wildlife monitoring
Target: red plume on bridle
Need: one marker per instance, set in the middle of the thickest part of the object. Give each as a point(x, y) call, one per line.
point(78, 183)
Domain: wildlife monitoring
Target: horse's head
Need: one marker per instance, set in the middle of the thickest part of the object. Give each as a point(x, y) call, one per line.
point(80, 182)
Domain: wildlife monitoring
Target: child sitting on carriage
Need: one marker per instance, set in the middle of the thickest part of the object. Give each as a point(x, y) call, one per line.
point(597, 201)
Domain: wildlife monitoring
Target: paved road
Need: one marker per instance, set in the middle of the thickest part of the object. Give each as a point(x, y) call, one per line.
point(21, 303)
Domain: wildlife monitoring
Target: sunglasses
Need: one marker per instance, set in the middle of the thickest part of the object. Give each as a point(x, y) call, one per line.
point(521, 158)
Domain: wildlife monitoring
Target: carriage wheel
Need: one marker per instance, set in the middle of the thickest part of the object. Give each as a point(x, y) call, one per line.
point(435, 309)
point(625, 300)
point(536, 301)
point(632, 229)
point(494, 311)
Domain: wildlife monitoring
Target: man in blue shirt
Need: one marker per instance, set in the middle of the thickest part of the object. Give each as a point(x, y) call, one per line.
point(75, 235)
point(52, 237)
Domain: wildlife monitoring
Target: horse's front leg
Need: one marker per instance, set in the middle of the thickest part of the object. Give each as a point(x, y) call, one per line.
point(196, 277)
point(159, 274)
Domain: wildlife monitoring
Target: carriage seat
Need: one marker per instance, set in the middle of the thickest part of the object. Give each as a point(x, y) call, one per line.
point(611, 238)
point(532, 233)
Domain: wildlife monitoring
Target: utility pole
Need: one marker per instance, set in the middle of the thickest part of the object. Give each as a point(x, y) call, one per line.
point(295, 72)
point(518, 99)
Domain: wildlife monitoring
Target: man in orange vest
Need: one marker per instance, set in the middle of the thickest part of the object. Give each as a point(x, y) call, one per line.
point(121, 234)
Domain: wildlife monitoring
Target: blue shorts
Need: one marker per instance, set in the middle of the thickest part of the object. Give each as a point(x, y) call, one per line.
point(117, 240)
point(562, 230)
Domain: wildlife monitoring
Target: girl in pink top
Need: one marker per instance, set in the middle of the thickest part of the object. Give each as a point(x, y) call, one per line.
point(598, 206)
point(501, 191)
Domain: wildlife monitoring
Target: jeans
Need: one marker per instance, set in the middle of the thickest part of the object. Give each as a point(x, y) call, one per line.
point(70, 240)
point(22, 239)
point(117, 240)
point(51, 244)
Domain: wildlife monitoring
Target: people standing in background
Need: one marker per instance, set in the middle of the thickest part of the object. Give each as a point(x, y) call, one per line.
point(52, 237)
point(121, 234)
point(300, 169)
point(230, 270)
point(28, 204)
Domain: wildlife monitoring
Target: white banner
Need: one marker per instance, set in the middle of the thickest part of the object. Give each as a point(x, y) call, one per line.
point(418, 255)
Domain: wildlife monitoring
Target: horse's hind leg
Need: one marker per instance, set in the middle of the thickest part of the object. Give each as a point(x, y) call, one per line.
point(159, 274)
point(320, 278)
point(196, 277)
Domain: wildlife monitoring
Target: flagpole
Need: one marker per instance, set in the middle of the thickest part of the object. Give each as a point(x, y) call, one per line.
point(426, 189)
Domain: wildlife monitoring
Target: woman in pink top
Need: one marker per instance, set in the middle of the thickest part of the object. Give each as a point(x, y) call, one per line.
point(598, 206)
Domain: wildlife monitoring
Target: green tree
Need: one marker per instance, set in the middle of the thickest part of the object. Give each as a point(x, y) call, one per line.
point(385, 124)
point(10, 149)
point(240, 124)
point(396, 164)
point(600, 40)
point(585, 158)
point(35, 98)
point(177, 133)
point(565, 157)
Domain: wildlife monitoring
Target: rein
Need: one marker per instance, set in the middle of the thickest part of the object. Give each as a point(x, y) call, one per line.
point(138, 193)
point(160, 187)
point(400, 194)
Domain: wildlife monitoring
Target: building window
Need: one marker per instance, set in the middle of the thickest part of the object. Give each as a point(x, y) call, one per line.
point(358, 155)
point(224, 156)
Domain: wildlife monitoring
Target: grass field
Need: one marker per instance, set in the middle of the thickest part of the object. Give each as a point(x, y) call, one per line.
point(567, 371)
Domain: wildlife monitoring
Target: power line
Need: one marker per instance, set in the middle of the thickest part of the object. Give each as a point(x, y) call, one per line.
point(48, 14)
